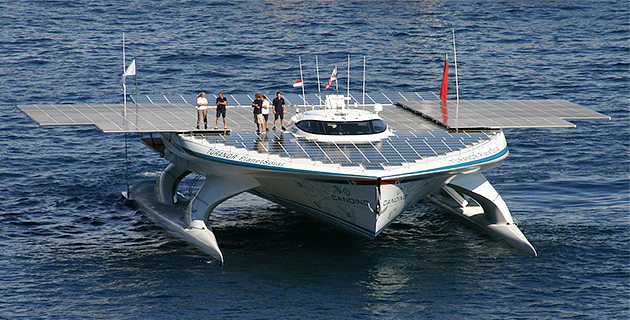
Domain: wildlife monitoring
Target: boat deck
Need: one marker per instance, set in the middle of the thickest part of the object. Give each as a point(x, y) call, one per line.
point(401, 148)
point(402, 111)
point(423, 126)
point(178, 113)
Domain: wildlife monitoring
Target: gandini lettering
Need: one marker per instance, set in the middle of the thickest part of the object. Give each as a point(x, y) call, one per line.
point(351, 201)
point(387, 202)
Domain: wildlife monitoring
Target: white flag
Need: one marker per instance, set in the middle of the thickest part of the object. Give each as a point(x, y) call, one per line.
point(131, 70)
point(298, 84)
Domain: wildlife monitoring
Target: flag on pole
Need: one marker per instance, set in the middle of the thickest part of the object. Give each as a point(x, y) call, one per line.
point(333, 76)
point(444, 89)
point(298, 84)
point(131, 71)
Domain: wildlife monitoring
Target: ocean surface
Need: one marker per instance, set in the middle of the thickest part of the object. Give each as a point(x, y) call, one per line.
point(71, 248)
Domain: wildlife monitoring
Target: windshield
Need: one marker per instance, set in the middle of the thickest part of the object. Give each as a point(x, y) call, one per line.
point(342, 128)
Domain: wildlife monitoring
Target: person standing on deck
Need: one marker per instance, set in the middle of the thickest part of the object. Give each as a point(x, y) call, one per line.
point(202, 110)
point(266, 105)
point(278, 110)
point(258, 118)
point(221, 104)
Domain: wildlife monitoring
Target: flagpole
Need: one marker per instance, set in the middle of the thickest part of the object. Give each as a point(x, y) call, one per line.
point(128, 196)
point(456, 79)
point(124, 86)
point(336, 83)
point(348, 88)
point(363, 101)
point(302, 79)
point(136, 76)
point(319, 88)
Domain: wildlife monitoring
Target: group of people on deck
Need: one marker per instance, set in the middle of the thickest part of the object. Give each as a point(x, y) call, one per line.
point(202, 110)
point(261, 107)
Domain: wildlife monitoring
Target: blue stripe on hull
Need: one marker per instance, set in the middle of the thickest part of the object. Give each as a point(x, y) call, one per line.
point(324, 173)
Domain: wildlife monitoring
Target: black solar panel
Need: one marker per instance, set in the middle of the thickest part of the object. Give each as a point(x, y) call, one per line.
point(414, 138)
point(497, 114)
point(373, 166)
point(394, 151)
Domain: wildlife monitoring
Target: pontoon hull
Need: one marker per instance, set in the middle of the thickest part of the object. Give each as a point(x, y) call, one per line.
point(363, 204)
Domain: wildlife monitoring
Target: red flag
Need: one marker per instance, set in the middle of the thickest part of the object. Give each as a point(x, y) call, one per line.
point(333, 76)
point(444, 89)
point(298, 84)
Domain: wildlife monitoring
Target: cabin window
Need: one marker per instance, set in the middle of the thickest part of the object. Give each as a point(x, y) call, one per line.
point(342, 128)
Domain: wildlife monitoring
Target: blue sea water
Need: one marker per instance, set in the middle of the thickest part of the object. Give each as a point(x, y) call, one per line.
point(71, 248)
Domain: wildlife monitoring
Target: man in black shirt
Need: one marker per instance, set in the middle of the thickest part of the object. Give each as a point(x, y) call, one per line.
point(278, 110)
point(221, 104)
point(258, 118)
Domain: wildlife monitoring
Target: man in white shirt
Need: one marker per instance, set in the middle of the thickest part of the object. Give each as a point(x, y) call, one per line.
point(202, 110)
point(266, 105)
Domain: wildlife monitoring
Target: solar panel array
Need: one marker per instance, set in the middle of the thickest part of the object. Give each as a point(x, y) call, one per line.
point(396, 150)
point(412, 117)
point(500, 114)
point(178, 113)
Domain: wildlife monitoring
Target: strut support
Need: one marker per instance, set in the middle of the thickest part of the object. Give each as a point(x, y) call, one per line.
point(168, 182)
point(491, 215)
point(196, 219)
point(189, 220)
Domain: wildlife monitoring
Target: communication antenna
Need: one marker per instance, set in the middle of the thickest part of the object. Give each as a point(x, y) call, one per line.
point(456, 79)
point(301, 78)
point(319, 87)
point(336, 81)
point(348, 89)
point(363, 100)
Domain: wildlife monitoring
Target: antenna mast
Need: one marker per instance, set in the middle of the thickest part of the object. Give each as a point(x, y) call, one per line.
point(456, 79)
point(348, 89)
point(319, 88)
point(301, 78)
point(336, 81)
point(363, 100)
point(124, 86)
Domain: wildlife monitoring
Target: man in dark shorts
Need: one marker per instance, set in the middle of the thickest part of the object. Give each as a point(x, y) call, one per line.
point(278, 110)
point(258, 118)
point(221, 104)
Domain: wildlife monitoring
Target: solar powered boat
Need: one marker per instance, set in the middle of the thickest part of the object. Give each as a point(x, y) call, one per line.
point(355, 165)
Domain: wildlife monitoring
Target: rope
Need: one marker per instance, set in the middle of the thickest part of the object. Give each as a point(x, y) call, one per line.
point(192, 185)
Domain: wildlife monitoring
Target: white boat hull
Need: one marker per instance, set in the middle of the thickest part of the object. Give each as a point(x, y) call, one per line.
point(352, 206)
point(362, 203)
